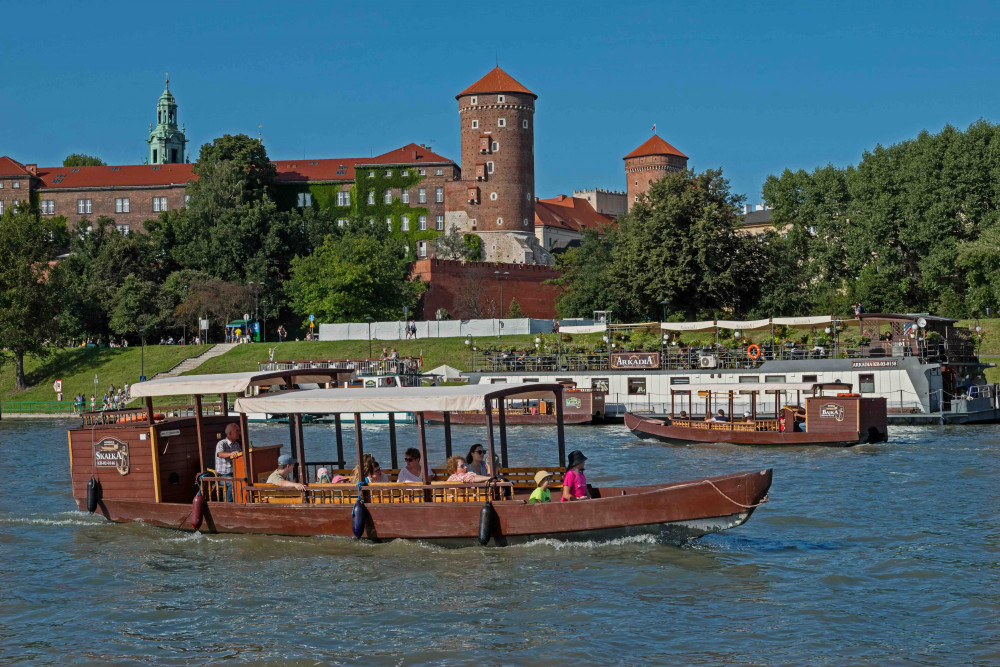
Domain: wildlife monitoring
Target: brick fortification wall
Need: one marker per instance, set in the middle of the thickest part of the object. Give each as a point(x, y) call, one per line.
point(472, 289)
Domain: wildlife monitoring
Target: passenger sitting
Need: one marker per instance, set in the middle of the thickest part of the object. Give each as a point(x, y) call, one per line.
point(373, 471)
point(458, 471)
point(475, 460)
point(283, 475)
point(747, 417)
point(412, 472)
point(574, 481)
point(542, 494)
point(683, 415)
point(720, 416)
point(322, 476)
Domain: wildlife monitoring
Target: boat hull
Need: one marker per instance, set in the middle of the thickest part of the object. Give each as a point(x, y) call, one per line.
point(675, 512)
point(664, 431)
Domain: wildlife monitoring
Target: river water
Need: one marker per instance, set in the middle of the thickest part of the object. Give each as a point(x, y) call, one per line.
point(880, 554)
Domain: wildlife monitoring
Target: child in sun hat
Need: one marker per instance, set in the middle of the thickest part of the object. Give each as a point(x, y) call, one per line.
point(543, 479)
point(322, 476)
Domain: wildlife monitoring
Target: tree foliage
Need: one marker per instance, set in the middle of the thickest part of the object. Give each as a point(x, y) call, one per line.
point(83, 160)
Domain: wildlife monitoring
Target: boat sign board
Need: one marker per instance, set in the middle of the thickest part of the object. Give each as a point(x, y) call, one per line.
point(881, 363)
point(635, 360)
point(832, 411)
point(111, 453)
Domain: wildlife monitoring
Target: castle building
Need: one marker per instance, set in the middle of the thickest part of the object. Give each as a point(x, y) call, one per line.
point(650, 162)
point(561, 221)
point(166, 141)
point(495, 197)
point(605, 202)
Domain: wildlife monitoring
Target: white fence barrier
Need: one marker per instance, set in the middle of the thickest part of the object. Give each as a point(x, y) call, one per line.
point(438, 329)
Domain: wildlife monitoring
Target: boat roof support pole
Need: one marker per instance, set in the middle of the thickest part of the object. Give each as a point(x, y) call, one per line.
point(489, 428)
point(198, 427)
point(753, 406)
point(225, 407)
point(671, 402)
point(423, 447)
point(341, 463)
point(690, 405)
point(291, 435)
point(359, 446)
point(447, 434)
point(301, 449)
point(392, 440)
point(149, 410)
point(245, 441)
point(732, 417)
point(560, 427)
point(502, 414)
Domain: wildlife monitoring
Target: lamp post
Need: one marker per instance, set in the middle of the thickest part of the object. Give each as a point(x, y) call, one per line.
point(263, 326)
point(664, 305)
point(184, 322)
point(255, 287)
point(500, 278)
point(369, 319)
point(142, 356)
point(472, 351)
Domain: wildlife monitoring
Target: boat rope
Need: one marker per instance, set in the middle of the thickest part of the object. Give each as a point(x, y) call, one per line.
point(721, 493)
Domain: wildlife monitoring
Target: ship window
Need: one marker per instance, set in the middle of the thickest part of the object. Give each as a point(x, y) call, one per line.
point(810, 378)
point(600, 383)
point(774, 378)
point(680, 380)
point(637, 386)
point(530, 380)
point(498, 381)
point(749, 379)
point(866, 384)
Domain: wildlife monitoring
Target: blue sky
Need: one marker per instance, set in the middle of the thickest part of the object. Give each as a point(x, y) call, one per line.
point(753, 88)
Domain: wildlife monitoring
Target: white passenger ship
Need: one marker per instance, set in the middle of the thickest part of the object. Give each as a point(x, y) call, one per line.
point(925, 367)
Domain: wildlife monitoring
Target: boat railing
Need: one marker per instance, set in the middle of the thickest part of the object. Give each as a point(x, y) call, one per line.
point(347, 493)
point(739, 426)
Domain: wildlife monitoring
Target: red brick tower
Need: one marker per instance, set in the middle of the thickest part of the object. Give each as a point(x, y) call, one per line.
point(497, 190)
point(649, 162)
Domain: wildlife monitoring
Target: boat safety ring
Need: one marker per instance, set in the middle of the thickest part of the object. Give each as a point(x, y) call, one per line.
point(753, 352)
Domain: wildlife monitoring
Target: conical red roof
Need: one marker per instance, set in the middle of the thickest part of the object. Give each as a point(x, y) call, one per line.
point(496, 81)
point(655, 146)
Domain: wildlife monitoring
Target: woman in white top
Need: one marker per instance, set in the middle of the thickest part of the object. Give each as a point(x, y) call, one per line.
point(411, 472)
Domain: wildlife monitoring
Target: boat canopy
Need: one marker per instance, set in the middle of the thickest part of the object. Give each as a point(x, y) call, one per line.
point(228, 383)
point(390, 399)
point(743, 386)
point(754, 325)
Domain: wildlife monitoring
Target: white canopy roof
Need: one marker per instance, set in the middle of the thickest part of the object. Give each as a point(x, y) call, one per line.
point(227, 383)
point(751, 325)
point(387, 399)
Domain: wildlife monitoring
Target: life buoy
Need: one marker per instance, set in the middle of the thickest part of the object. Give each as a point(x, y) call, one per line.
point(753, 352)
point(847, 394)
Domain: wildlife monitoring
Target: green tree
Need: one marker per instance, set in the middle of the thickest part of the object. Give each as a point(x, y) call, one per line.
point(452, 245)
point(586, 276)
point(514, 311)
point(29, 294)
point(83, 160)
point(134, 306)
point(362, 272)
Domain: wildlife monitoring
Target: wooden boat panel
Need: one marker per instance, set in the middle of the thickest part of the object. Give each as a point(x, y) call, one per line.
point(655, 428)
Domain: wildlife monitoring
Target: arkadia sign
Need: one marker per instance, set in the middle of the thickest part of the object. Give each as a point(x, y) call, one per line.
point(630, 360)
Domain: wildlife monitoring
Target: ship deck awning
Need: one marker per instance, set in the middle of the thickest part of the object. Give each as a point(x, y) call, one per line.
point(757, 325)
point(742, 387)
point(390, 399)
point(230, 383)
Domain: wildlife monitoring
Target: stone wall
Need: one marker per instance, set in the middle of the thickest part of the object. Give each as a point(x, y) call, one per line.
point(472, 289)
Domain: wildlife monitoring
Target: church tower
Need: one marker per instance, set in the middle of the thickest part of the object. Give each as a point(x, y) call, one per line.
point(166, 142)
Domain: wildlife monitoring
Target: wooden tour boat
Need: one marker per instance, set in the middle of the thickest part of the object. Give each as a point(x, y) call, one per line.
point(580, 406)
point(141, 466)
point(843, 420)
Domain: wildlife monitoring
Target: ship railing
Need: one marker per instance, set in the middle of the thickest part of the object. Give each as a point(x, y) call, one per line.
point(361, 366)
point(390, 493)
point(741, 427)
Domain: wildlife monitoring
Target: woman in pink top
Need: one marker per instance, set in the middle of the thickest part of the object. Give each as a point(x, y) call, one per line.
point(458, 471)
point(574, 481)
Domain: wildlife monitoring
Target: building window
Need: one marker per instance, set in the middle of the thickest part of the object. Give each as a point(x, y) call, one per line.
point(525, 222)
point(406, 172)
point(499, 222)
point(524, 124)
point(17, 185)
point(439, 172)
point(406, 223)
point(159, 204)
point(527, 195)
point(388, 196)
point(1, 207)
point(124, 229)
point(493, 196)
point(371, 174)
point(122, 205)
point(866, 384)
point(439, 195)
point(421, 195)
point(343, 199)
point(501, 122)
point(422, 248)
point(84, 206)
point(371, 198)
point(637, 386)
point(489, 167)
point(474, 100)
point(405, 196)
point(422, 172)
point(341, 222)
point(305, 199)
point(187, 198)
point(48, 207)
point(422, 220)
point(475, 124)
point(439, 223)
point(473, 221)
point(496, 146)
point(500, 99)
point(637, 198)
point(388, 173)
point(1, 185)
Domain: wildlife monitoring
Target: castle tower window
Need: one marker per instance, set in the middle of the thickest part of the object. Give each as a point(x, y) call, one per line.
point(473, 195)
point(493, 196)
point(489, 167)
point(525, 222)
point(496, 146)
point(500, 99)
point(524, 124)
point(421, 195)
point(499, 221)
point(501, 122)
point(474, 100)
point(439, 195)
point(473, 221)
point(475, 125)
point(484, 143)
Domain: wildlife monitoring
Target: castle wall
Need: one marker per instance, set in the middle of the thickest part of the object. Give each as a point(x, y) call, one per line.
point(472, 289)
